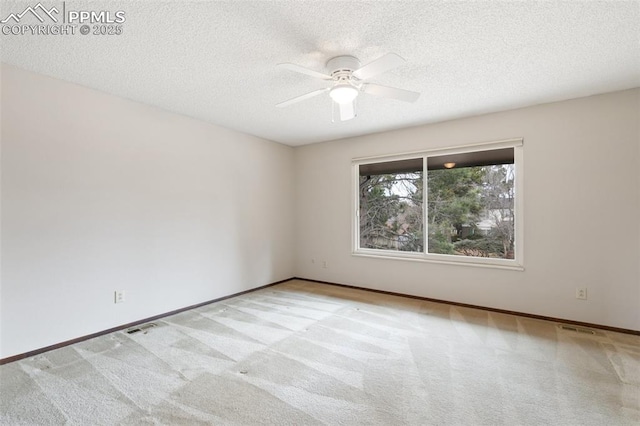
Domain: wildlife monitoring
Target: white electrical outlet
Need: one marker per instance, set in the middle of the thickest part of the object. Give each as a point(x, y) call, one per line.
point(581, 293)
point(118, 296)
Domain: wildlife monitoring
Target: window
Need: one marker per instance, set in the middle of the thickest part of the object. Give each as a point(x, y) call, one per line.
point(391, 213)
point(471, 214)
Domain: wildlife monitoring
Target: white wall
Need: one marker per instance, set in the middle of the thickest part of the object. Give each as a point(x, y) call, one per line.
point(100, 193)
point(581, 212)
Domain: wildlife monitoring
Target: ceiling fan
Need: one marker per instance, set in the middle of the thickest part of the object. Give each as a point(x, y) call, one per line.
point(348, 79)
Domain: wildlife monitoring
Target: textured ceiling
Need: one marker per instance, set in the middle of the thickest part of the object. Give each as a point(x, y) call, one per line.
point(215, 61)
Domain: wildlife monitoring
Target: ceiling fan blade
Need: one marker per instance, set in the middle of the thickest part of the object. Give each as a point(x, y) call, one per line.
point(380, 65)
point(390, 92)
point(302, 97)
point(303, 70)
point(347, 111)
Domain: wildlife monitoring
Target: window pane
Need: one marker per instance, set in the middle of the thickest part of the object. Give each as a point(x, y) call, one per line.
point(391, 215)
point(471, 209)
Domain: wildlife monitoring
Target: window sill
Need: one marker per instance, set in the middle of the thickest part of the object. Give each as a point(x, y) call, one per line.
point(478, 262)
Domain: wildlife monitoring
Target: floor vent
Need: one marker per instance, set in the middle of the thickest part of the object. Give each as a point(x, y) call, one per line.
point(143, 327)
point(576, 329)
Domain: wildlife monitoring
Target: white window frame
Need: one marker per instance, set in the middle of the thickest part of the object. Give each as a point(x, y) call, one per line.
point(515, 264)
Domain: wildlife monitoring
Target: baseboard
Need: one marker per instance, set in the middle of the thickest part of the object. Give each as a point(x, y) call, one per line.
point(128, 325)
point(484, 308)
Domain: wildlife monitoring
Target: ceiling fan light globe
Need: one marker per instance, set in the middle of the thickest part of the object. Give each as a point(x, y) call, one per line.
point(343, 94)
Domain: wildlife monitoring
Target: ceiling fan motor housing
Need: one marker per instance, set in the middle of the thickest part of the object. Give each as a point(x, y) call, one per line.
point(342, 67)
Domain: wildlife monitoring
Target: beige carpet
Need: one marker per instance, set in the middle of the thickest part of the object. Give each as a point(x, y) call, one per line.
point(302, 353)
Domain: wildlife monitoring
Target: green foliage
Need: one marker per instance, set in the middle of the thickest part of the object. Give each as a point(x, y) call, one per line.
point(483, 247)
point(454, 201)
point(459, 199)
point(438, 244)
